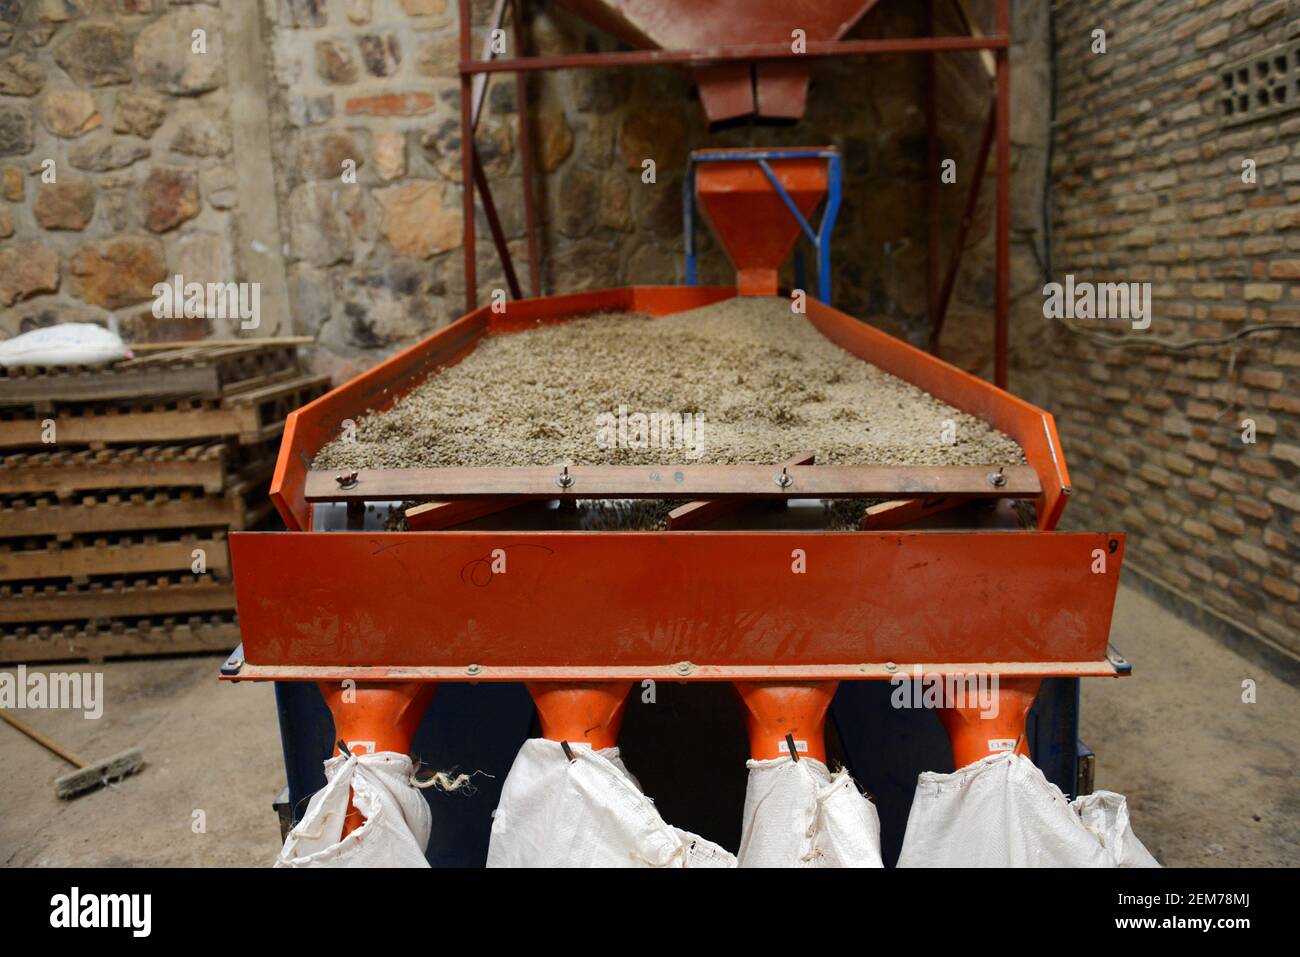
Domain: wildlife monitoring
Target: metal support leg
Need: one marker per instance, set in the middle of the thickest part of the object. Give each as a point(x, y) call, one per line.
point(526, 155)
point(1003, 106)
point(467, 162)
point(834, 191)
point(932, 182)
point(688, 222)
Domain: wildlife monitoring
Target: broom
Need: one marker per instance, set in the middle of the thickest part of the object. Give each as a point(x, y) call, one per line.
point(88, 776)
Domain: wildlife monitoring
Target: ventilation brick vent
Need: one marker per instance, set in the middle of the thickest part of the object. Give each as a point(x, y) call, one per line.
point(1260, 86)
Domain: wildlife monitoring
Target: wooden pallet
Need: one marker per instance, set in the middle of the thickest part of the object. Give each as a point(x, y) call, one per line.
point(31, 518)
point(163, 636)
point(194, 371)
point(148, 460)
point(248, 414)
point(81, 559)
point(99, 601)
point(62, 473)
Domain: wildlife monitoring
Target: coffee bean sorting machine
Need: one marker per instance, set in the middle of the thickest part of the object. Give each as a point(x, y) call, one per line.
point(484, 620)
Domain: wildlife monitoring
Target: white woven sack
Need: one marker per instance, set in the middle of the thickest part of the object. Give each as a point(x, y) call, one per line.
point(1105, 814)
point(397, 818)
point(66, 344)
point(586, 812)
point(1001, 811)
point(798, 815)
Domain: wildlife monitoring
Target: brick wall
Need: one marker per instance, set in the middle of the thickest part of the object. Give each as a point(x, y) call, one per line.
point(1148, 186)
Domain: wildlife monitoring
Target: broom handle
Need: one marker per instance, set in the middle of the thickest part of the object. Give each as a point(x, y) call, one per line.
point(41, 739)
point(220, 343)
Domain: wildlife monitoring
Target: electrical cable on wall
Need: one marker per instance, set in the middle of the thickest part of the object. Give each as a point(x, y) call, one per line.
point(1113, 340)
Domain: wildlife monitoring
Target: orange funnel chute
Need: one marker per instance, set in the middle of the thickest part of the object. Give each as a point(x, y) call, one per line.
point(370, 717)
point(587, 712)
point(974, 735)
point(780, 714)
point(750, 217)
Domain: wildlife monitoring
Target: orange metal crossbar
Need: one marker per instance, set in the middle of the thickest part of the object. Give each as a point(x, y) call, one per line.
point(605, 606)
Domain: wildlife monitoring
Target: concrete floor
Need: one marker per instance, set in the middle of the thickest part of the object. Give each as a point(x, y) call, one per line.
point(1210, 780)
point(207, 746)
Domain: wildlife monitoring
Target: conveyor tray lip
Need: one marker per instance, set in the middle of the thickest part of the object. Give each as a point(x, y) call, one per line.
point(312, 426)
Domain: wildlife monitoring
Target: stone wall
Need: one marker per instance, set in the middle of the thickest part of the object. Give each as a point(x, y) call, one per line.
point(115, 161)
point(1149, 186)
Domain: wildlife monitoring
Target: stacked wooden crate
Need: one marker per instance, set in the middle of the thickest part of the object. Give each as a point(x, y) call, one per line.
point(118, 487)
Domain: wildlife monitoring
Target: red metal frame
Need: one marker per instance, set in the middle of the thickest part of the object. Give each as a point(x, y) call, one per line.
point(1002, 104)
point(772, 54)
point(738, 52)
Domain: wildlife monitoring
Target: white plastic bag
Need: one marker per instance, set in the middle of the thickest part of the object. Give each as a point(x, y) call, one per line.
point(67, 344)
point(1105, 814)
point(588, 812)
point(797, 815)
point(1002, 811)
point(397, 818)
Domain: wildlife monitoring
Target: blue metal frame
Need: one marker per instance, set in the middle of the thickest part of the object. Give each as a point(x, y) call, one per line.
point(820, 237)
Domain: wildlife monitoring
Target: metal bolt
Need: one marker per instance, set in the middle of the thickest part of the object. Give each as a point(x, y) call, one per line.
point(565, 480)
point(346, 480)
point(890, 667)
point(234, 664)
point(784, 480)
point(473, 669)
point(997, 479)
point(684, 667)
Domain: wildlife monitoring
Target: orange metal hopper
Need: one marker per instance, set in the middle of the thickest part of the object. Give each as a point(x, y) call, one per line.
point(775, 90)
point(751, 219)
